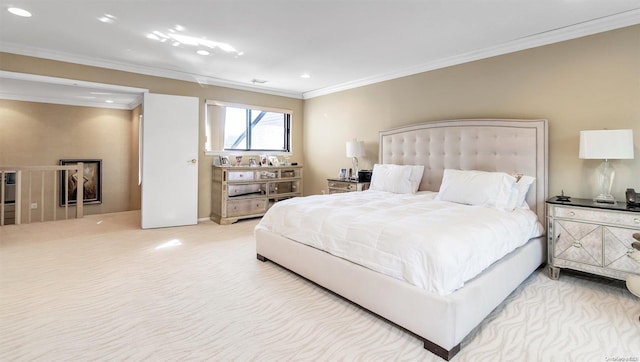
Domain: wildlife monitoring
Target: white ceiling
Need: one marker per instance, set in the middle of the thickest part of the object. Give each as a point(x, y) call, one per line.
point(341, 44)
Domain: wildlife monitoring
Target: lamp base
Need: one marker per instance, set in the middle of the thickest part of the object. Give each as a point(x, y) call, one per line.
point(604, 199)
point(605, 174)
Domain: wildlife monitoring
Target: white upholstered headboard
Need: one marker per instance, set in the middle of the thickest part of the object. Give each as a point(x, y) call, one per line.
point(507, 145)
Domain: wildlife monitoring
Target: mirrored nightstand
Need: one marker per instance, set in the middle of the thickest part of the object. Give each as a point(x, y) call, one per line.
point(337, 185)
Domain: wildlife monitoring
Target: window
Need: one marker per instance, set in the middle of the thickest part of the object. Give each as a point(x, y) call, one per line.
point(247, 128)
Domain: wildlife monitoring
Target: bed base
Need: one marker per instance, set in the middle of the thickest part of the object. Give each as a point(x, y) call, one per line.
point(441, 322)
point(428, 345)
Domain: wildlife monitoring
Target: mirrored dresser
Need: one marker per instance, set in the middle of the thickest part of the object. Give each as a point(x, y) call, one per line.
point(246, 192)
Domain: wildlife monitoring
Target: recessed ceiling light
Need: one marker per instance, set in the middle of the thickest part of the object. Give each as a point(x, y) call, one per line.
point(203, 52)
point(108, 101)
point(179, 28)
point(305, 76)
point(19, 12)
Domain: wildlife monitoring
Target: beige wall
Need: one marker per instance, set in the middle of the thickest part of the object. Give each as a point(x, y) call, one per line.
point(586, 83)
point(33, 134)
point(22, 64)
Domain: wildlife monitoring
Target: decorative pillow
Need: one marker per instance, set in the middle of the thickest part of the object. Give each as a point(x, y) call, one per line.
point(399, 179)
point(480, 188)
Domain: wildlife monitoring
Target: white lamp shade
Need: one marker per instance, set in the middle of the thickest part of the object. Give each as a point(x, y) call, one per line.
point(355, 148)
point(611, 144)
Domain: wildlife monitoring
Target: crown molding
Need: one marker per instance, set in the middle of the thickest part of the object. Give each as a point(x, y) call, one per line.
point(138, 69)
point(617, 21)
point(574, 31)
point(137, 93)
point(68, 101)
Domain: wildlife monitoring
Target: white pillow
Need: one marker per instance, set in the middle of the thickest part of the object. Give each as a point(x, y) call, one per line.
point(399, 179)
point(522, 186)
point(480, 188)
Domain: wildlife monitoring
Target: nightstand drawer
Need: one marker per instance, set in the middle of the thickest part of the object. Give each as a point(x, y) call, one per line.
point(617, 249)
point(246, 207)
point(597, 216)
point(342, 185)
point(578, 242)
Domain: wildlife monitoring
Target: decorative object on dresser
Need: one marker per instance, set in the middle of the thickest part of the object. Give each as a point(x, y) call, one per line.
point(345, 185)
point(563, 198)
point(593, 238)
point(364, 175)
point(607, 144)
point(355, 149)
point(246, 192)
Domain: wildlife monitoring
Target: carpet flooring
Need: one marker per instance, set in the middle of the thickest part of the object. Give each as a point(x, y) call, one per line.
point(102, 289)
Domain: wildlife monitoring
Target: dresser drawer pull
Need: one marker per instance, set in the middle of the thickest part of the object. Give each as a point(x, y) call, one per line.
point(332, 184)
point(350, 187)
point(571, 213)
point(636, 220)
point(576, 244)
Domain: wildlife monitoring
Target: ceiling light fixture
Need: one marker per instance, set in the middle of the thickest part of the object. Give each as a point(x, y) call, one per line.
point(178, 39)
point(19, 12)
point(203, 52)
point(108, 101)
point(305, 76)
point(107, 18)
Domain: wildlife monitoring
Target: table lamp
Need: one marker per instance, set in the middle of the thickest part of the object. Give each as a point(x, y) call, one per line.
point(614, 144)
point(355, 149)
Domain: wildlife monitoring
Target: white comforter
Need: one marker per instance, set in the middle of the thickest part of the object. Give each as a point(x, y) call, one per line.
point(435, 245)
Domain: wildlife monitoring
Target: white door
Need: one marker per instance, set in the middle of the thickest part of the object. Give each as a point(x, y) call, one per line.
point(169, 161)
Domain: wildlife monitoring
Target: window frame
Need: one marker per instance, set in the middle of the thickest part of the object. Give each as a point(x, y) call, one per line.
point(288, 143)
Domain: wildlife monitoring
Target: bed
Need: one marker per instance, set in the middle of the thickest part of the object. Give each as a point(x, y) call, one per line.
point(440, 318)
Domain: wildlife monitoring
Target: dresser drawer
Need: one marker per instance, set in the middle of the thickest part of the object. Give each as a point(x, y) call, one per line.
point(240, 175)
point(239, 190)
point(605, 217)
point(246, 207)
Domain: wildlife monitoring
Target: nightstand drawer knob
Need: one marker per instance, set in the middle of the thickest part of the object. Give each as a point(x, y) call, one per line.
point(636, 220)
point(576, 244)
point(572, 213)
point(350, 187)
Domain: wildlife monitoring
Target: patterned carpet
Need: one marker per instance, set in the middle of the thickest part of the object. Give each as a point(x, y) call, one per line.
point(100, 288)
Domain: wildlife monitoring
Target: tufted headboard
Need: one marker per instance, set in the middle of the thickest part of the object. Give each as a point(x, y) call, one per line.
point(507, 145)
